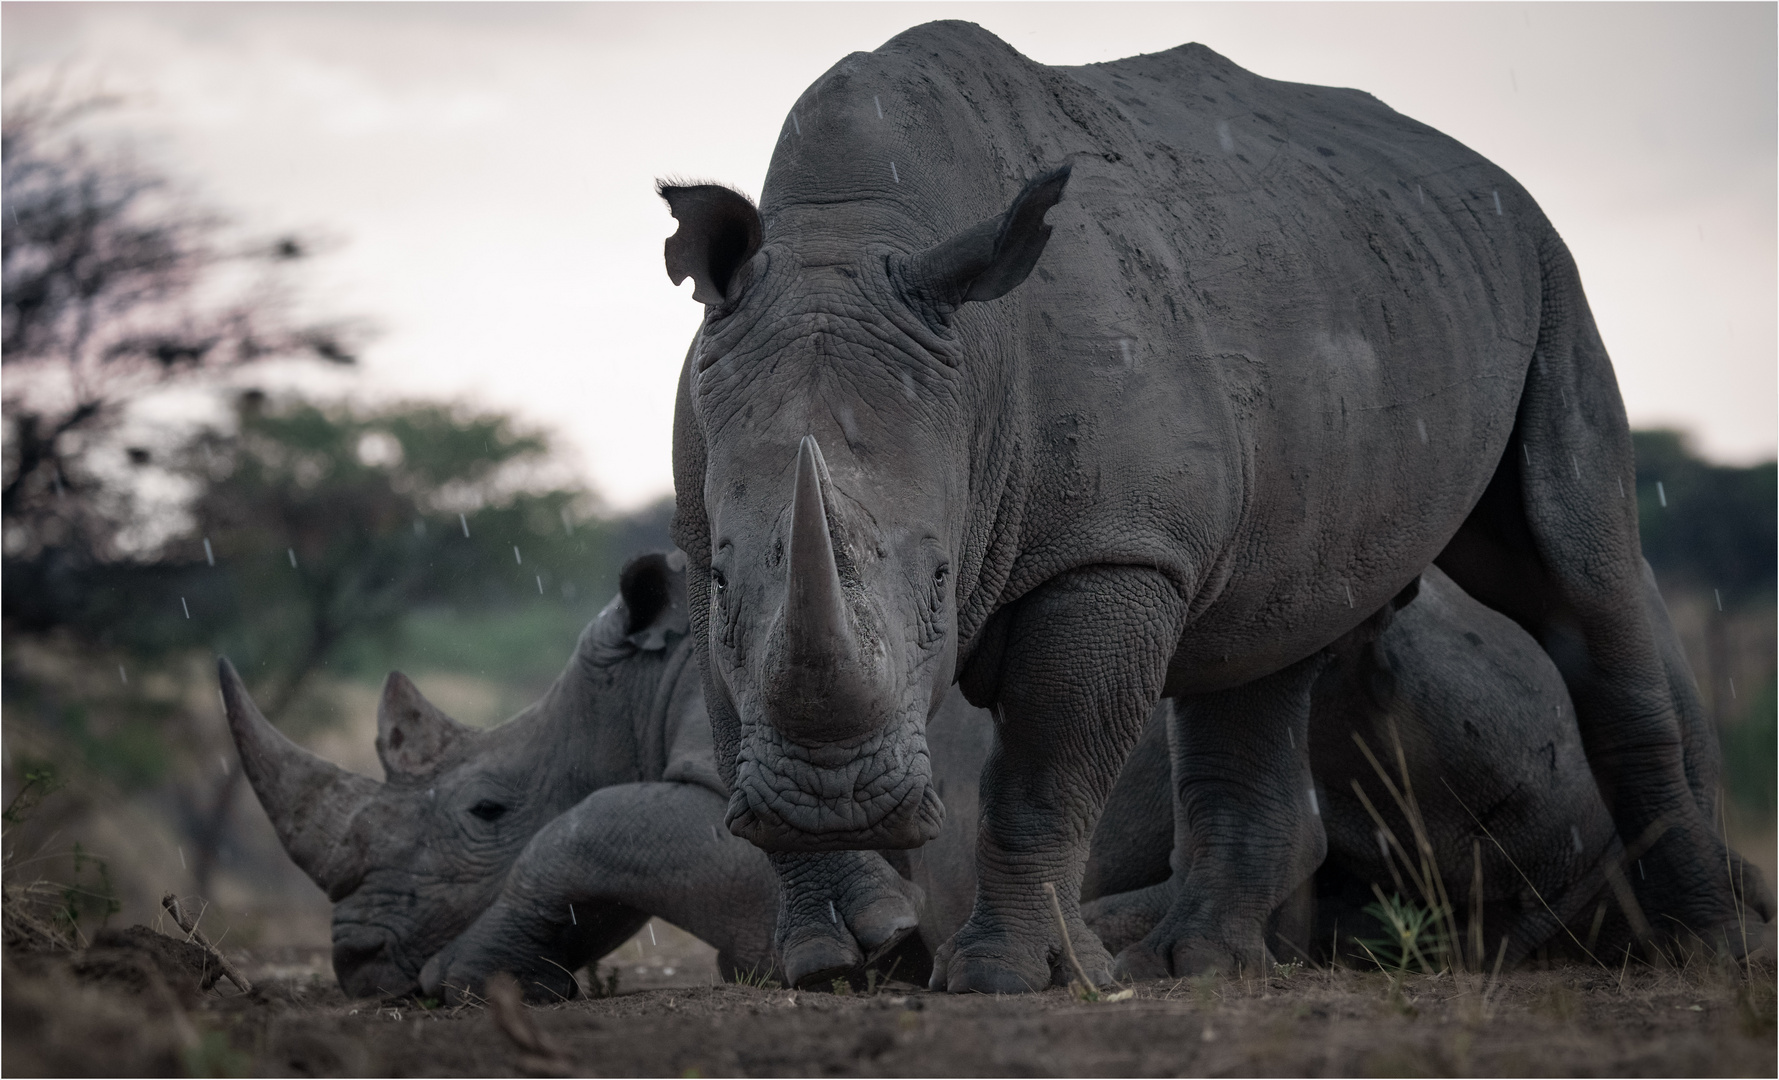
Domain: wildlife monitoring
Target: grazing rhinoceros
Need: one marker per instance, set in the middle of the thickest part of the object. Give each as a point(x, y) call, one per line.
point(1468, 685)
point(1285, 349)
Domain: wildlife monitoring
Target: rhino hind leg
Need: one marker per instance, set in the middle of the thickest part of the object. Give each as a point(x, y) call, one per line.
point(1553, 543)
point(1247, 830)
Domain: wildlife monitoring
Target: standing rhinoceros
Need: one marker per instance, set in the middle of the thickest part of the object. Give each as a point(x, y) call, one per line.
point(1285, 349)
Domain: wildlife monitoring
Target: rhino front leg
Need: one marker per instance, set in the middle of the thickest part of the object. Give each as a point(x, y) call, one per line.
point(1060, 742)
point(1247, 829)
point(839, 910)
point(592, 877)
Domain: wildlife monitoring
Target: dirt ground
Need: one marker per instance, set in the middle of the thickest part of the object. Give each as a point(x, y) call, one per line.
point(132, 1006)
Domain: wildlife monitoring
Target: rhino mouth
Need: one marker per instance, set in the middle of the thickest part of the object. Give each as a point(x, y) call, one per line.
point(876, 793)
point(368, 962)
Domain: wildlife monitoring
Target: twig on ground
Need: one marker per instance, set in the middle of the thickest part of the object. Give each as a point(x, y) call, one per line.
point(1087, 992)
point(196, 936)
point(538, 1055)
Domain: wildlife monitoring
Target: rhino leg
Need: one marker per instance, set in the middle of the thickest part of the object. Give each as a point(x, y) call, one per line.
point(839, 911)
point(1060, 742)
point(1702, 756)
point(592, 877)
point(1553, 543)
point(1247, 831)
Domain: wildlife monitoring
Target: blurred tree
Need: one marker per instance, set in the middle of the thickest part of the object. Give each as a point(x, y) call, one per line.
point(1707, 526)
point(318, 527)
point(111, 285)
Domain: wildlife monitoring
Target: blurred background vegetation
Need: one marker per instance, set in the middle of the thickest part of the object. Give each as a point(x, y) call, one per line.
point(321, 542)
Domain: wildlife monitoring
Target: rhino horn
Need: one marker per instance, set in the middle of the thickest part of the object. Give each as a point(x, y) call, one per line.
point(414, 736)
point(311, 802)
point(815, 627)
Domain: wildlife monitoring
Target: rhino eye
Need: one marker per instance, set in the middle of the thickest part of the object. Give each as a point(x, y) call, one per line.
point(718, 580)
point(487, 810)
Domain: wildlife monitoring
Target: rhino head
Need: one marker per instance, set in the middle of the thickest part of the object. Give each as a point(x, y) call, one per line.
point(410, 862)
point(835, 412)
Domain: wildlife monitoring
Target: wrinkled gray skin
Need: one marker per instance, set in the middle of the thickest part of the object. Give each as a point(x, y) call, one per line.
point(1480, 709)
point(1285, 349)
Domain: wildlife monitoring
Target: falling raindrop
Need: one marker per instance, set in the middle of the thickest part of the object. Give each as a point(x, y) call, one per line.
point(187, 607)
point(798, 128)
point(1662, 494)
point(1576, 465)
point(1124, 346)
point(463, 521)
point(833, 916)
point(879, 104)
point(209, 555)
point(292, 553)
point(124, 678)
point(1421, 426)
point(1575, 835)
point(894, 175)
point(1349, 588)
point(1315, 808)
point(1497, 204)
point(652, 940)
point(571, 917)
point(1719, 594)
point(540, 584)
point(181, 858)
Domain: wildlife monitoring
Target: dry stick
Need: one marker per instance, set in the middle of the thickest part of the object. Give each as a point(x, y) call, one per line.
point(193, 934)
point(1068, 949)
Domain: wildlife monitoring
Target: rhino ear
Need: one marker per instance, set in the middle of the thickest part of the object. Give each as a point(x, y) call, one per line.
point(413, 737)
point(989, 260)
point(719, 230)
point(653, 588)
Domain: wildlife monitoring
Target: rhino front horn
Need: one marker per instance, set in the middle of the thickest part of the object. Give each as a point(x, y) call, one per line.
point(311, 802)
point(819, 677)
point(815, 626)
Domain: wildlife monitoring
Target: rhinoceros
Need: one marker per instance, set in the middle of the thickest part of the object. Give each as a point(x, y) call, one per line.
point(1278, 349)
point(410, 862)
point(1473, 700)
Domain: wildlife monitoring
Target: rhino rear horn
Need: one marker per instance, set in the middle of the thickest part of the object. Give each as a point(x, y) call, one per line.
point(988, 260)
point(414, 738)
point(311, 802)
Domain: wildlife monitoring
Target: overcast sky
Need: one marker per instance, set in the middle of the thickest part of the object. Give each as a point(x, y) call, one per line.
point(488, 169)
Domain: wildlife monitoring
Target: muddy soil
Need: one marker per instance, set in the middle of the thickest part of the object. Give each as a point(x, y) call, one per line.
point(131, 1010)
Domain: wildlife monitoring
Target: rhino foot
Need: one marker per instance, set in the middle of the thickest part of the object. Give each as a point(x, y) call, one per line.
point(838, 912)
point(1171, 952)
point(1023, 959)
point(458, 979)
